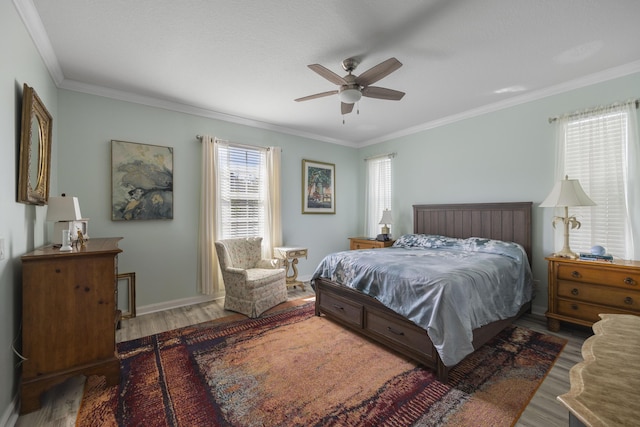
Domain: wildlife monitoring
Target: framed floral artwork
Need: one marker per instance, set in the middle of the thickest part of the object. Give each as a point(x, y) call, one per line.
point(318, 187)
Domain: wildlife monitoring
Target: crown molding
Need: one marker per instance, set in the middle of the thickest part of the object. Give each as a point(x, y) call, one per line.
point(610, 74)
point(27, 11)
point(76, 86)
point(31, 19)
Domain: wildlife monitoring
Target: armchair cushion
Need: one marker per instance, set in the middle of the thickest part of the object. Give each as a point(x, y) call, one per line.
point(252, 284)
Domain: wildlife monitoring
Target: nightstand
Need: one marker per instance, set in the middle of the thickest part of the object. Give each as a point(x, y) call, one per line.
point(368, 243)
point(581, 290)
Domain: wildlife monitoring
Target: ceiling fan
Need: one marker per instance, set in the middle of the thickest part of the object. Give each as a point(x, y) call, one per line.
point(352, 88)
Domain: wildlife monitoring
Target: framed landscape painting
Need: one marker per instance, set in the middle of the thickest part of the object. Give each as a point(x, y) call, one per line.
point(318, 187)
point(141, 181)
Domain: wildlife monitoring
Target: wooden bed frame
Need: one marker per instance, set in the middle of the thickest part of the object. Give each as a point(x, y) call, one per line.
point(502, 221)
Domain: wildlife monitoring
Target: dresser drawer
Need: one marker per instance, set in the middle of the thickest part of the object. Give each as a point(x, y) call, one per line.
point(341, 308)
point(366, 243)
point(602, 295)
point(400, 333)
point(600, 274)
point(361, 244)
point(299, 253)
point(584, 311)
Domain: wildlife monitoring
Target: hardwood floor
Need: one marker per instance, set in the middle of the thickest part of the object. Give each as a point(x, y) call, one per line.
point(60, 404)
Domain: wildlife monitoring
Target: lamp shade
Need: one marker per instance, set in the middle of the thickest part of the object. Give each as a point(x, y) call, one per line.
point(567, 192)
point(386, 217)
point(63, 209)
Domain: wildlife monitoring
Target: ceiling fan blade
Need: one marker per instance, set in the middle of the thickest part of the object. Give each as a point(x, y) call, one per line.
point(328, 74)
point(381, 70)
point(346, 108)
point(317, 95)
point(382, 93)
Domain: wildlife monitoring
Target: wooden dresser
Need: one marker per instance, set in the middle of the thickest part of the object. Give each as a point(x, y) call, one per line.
point(581, 290)
point(368, 243)
point(68, 316)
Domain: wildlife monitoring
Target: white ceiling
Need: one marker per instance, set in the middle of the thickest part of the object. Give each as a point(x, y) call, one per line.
point(246, 61)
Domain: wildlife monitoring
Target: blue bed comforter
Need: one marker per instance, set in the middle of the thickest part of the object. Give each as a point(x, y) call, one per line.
point(446, 286)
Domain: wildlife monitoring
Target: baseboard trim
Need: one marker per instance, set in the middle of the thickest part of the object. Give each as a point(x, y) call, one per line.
point(538, 310)
point(168, 305)
point(10, 415)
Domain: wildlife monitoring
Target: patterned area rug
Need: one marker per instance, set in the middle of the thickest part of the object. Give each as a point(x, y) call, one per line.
point(293, 368)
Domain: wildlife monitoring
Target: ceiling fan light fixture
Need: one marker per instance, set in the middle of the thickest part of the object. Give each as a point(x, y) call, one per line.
point(350, 95)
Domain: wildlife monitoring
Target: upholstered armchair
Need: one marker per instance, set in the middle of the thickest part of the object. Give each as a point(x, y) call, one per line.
point(252, 284)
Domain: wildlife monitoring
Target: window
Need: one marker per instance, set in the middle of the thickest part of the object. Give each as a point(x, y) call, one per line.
point(242, 182)
point(597, 148)
point(378, 192)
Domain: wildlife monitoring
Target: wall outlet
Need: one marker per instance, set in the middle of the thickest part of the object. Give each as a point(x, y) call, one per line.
point(1, 247)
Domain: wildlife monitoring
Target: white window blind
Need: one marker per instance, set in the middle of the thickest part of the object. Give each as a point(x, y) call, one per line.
point(378, 194)
point(242, 180)
point(595, 153)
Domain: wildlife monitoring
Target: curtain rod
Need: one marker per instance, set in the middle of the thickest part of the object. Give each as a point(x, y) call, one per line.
point(377, 156)
point(555, 118)
point(235, 144)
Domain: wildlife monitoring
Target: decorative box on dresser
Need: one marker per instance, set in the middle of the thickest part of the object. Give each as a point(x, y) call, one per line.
point(68, 316)
point(581, 290)
point(368, 243)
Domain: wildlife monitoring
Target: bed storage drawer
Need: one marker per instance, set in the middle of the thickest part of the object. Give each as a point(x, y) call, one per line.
point(400, 333)
point(341, 308)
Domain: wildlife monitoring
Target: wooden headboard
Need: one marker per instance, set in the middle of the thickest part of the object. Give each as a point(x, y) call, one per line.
point(502, 221)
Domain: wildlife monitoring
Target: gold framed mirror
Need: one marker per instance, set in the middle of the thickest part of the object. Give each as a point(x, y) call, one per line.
point(35, 150)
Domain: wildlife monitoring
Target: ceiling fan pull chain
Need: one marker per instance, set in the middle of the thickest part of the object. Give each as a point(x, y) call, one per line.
point(358, 108)
point(343, 119)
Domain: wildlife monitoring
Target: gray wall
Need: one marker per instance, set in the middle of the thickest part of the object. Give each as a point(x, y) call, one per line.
point(22, 226)
point(507, 155)
point(502, 156)
point(163, 254)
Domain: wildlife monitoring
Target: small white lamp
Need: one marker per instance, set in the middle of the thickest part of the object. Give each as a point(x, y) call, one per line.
point(386, 220)
point(63, 210)
point(566, 193)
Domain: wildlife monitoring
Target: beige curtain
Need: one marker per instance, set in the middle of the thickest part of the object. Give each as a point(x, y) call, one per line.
point(273, 223)
point(209, 277)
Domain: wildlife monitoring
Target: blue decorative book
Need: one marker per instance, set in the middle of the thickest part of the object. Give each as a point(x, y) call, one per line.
point(587, 256)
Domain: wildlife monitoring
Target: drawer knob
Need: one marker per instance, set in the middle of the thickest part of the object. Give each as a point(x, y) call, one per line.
point(574, 291)
point(628, 300)
point(393, 331)
point(336, 306)
point(629, 281)
point(574, 306)
point(575, 274)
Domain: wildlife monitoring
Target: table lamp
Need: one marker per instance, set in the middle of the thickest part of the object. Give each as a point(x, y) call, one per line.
point(63, 210)
point(386, 220)
point(567, 193)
